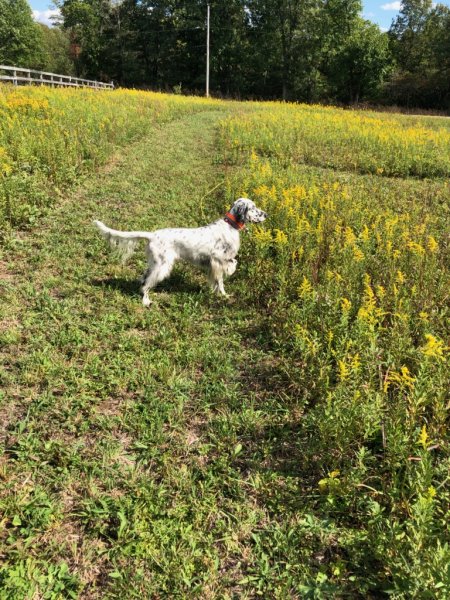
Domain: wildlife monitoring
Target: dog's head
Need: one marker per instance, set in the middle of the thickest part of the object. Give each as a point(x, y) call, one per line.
point(246, 211)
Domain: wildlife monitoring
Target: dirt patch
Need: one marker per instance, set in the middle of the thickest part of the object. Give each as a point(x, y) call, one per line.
point(5, 273)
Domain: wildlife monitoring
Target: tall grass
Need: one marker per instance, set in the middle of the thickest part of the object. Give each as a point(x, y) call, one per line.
point(390, 145)
point(50, 137)
point(352, 271)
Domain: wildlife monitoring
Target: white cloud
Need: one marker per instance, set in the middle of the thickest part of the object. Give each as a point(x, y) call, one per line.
point(44, 16)
point(391, 6)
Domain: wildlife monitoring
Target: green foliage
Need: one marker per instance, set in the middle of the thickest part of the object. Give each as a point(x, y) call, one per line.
point(354, 286)
point(300, 38)
point(420, 41)
point(87, 22)
point(362, 65)
point(56, 51)
point(408, 30)
point(304, 51)
point(364, 142)
point(20, 36)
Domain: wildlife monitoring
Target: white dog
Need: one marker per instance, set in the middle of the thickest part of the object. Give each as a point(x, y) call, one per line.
point(212, 247)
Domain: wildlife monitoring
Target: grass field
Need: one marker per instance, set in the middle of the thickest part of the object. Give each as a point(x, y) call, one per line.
point(288, 443)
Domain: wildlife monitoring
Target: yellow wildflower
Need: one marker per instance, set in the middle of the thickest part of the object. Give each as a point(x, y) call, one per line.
point(434, 348)
point(280, 237)
point(357, 254)
point(305, 289)
point(263, 236)
point(345, 305)
point(431, 492)
point(349, 236)
point(423, 437)
point(400, 277)
point(415, 248)
point(381, 291)
point(368, 311)
point(432, 244)
point(344, 371)
point(5, 163)
point(401, 379)
point(355, 363)
point(365, 233)
point(330, 482)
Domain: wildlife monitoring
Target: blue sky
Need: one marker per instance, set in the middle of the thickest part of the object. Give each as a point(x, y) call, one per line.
point(379, 11)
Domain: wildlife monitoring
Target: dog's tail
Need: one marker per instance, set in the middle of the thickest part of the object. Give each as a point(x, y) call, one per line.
point(124, 242)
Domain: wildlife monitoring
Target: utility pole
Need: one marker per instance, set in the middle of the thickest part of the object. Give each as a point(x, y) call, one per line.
point(207, 52)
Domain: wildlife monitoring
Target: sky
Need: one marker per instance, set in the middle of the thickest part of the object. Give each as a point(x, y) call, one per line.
point(379, 11)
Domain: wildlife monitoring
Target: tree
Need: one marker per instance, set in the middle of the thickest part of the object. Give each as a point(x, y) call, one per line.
point(87, 21)
point(308, 50)
point(20, 36)
point(437, 35)
point(362, 64)
point(420, 40)
point(275, 24)
point(56, 51)
point(407, 32)
point(301, 39)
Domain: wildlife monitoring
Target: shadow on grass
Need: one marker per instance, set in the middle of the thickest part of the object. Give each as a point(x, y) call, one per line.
point(177, 282)
point(129, 287)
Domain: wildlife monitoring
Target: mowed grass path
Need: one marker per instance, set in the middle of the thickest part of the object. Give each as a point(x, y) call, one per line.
point(126, 428)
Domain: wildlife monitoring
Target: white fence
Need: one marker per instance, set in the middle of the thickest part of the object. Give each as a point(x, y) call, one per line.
point(20, 76)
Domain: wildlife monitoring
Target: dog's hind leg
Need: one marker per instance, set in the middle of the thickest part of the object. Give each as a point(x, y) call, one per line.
point(157, 271)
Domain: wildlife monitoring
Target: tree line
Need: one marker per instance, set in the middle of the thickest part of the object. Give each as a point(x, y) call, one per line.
point(299, 50)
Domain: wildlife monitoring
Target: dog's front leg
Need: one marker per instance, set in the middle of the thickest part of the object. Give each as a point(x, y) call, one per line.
point(216, 278)
point(218, 288)
point(221, 289)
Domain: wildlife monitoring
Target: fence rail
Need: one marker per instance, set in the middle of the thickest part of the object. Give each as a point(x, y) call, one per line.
point(20, 76)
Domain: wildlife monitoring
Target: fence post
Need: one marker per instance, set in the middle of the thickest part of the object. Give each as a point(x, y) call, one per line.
point(14, 77)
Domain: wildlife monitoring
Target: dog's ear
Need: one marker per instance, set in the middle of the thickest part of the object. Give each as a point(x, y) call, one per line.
point(240, 208)
point(243, 210)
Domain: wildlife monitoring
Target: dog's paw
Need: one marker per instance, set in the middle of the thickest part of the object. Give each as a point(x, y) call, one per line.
point(146, 301)
point(230, 267)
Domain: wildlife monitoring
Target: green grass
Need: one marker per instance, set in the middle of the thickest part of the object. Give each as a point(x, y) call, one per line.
point(187, 451)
